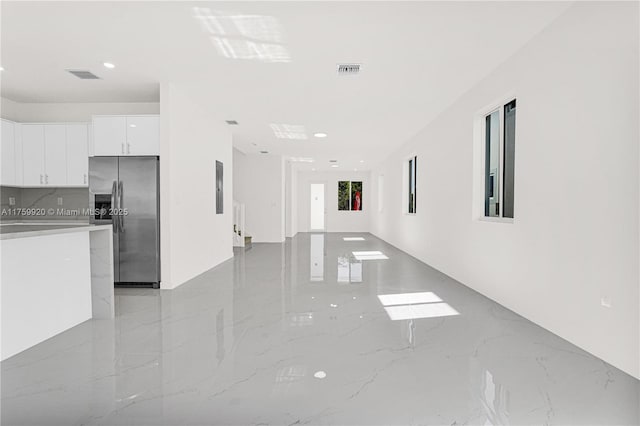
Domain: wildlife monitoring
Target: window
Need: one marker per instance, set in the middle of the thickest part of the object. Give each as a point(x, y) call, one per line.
point(349, 195)
point(412, 185)
point(499, 136)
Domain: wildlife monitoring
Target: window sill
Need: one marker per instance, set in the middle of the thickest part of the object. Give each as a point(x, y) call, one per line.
point(495, 219)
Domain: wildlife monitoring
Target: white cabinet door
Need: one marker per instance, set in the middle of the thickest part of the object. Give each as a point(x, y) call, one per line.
point(55, 154)
point(109, 135)
point(8, 154)
point(77, 155)
point(33, 154)
point(143, 135)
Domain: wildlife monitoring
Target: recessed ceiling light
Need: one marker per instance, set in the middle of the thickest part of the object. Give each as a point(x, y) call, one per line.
point(109, 65)
point(319, 374)
point(334, 165)
point(320, 135)
point(132, 125)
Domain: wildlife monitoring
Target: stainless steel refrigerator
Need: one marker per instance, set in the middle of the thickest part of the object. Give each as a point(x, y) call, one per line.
point(124, 192)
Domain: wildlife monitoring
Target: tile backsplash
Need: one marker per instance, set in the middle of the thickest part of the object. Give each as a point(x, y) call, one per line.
point(44, 204)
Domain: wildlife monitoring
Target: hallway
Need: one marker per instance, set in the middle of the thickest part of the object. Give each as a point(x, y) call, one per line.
point(296, 333)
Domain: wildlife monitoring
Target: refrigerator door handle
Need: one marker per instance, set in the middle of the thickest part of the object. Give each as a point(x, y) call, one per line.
point(114, 195)
point(120, 210)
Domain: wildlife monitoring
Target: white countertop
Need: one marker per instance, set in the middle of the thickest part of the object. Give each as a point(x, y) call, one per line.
point(23, 230)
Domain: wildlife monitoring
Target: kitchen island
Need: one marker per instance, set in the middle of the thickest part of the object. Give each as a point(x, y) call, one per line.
point(53, 277)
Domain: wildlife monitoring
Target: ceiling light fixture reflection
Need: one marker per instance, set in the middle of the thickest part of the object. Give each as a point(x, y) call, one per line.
point(289, 131)
point(408, 298)
point(369, 255)
point(362, 161)
point(320, 135)
point(238, 36)
point(353, 239)
point(427, 310)
point(1, 68)
point(109, 65)
point(334, 166)
point(320, 374)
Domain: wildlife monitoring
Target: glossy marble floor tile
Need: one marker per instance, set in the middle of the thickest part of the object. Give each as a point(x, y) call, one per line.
point(315, 331)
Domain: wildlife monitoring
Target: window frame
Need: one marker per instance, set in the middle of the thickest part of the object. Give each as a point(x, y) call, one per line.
point(480, 153)
point(407, 184)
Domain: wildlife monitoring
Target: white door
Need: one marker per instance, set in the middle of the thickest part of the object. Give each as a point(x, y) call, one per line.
point(77, 155)
point(55, 154)
point(8, 154)
point(143, 135)
point(317, 207)
point(33, 154)
point(109, 135)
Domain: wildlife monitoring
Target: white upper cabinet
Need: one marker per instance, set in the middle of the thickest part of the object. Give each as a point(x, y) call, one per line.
point(109, 135)
point(33, 154)
point(77, 155)
point(143, 135)
point(126, 135)
point(55, 154)
point(8, 156)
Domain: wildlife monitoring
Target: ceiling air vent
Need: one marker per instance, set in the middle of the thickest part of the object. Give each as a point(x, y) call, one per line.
point(84, 75)
point(349, 69)
point(232, 122)
point(264, 152)
point(333, 161)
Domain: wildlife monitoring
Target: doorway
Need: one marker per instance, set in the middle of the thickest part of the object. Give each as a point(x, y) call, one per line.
point(317, 209)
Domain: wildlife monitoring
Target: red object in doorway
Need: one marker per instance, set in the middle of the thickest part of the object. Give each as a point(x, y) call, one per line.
point(356, 202)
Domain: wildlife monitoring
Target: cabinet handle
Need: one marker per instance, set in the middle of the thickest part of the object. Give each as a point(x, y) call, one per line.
point(41, 180)
point(122, 146)
point(128, 148)
point(46, 179)
point(84, 178)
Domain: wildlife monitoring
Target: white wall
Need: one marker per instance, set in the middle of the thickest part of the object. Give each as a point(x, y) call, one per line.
point(259, 183)
point(9, 110)
point(335, 220)
point(291, 200)
point(193, 237)
point(71, 112)
point(575, 236)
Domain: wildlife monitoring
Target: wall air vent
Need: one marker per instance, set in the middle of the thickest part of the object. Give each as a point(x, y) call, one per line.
point(84, 75)
point(349, 69)
point(232, 122)
point(264, 152)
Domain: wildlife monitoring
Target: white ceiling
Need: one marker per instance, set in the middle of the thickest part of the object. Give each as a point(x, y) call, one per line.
point(418, 57)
